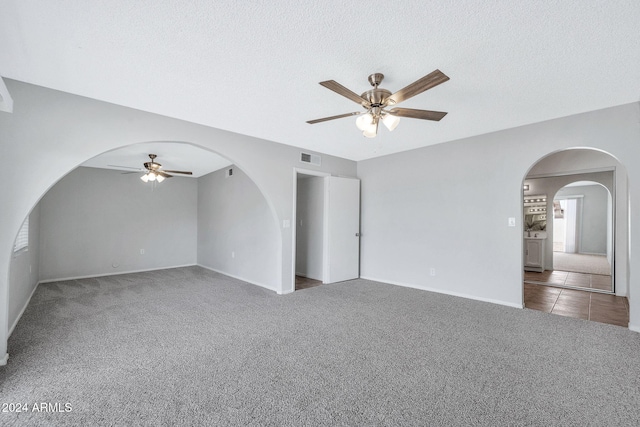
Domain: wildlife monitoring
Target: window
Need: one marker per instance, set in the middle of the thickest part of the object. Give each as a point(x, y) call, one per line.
point(22, 241)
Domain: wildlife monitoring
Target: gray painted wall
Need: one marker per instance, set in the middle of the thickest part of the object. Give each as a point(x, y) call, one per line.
point(447, 206)
point(65, 130)
point(310, 227)
point(24, 270)
point(443, 206)
point(96, 221)
point(592, 237)
point(236, 232)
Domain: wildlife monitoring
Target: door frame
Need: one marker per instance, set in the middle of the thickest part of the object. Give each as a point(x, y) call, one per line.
point(614, 226)
point(294, 220)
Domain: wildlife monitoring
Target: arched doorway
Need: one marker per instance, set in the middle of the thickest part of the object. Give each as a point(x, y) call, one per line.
point(100, 219)
point(583, 235)
point(574, 234)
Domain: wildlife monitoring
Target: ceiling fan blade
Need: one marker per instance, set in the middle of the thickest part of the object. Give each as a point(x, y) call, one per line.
point(163, 174)
point(427, 82)
point(418, 114)
point(182, 172)
point(355, 113)
point(341, 90)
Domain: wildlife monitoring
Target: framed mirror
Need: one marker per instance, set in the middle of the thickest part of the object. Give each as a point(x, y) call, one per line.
point(535, 212)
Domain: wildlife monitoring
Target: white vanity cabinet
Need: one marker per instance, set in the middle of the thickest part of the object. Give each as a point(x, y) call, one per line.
point(534, 254)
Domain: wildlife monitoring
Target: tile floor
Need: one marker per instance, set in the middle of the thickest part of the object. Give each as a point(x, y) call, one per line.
point(304, 283)
point(599, 307)
point(566, 278)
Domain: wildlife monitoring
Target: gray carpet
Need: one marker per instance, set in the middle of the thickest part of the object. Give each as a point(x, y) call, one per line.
point(191, 347)
point(581, 263)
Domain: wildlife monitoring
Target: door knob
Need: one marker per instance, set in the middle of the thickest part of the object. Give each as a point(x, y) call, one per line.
point(357, 234)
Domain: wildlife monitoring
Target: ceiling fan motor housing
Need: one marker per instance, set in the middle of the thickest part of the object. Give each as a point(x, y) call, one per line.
point(377, 97)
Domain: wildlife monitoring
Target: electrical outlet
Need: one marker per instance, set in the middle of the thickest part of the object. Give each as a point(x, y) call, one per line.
point(233, 254)
point(432, 271)
point(512, 222)
point(141, 251)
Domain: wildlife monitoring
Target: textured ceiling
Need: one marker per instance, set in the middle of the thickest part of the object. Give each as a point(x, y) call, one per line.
point(253, 67)
point(171, 155)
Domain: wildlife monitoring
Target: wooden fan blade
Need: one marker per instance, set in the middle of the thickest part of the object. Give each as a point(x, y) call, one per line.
point(418, 114)
point(182, 172)
point(341, 90)
point(427, 82)
point(355, 113)
point(163, 174)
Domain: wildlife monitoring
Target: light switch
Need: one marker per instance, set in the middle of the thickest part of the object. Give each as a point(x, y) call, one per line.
point(286, 223)
point(512, 222)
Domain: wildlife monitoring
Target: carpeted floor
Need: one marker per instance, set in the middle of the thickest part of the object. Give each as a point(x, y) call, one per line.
point(191, 347)
point(580, 263)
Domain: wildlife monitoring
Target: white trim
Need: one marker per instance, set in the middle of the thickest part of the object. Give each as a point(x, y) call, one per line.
point(262, 285)
point(572, 172)
point(15, 323)
point(634, 328)
point(4, 360)
point(294, 219)
point(116, 273)
point(440, 291)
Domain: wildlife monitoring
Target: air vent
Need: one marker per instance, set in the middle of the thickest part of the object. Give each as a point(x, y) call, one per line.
point(228, 173)
point(313, 159)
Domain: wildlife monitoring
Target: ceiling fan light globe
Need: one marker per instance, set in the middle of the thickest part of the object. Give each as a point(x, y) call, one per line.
point(364, 120)
point(390, 121)
point(370, 133)
point(160, 178)
point(144, 177)
point(152, 176)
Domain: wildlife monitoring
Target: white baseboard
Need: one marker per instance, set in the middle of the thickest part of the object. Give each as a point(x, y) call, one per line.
point(634, 328)
point(262, 285)
point(4, 360)
point(22, 311)
point(440, 291)
point(116, 273)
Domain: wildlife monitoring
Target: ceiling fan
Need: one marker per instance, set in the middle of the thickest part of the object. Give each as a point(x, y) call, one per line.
point(375, 102)
point(154, 172)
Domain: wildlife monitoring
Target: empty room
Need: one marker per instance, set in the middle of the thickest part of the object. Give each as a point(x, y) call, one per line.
point(276, 213)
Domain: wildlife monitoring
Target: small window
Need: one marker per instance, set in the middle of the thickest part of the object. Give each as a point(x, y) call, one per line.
point(22, 241)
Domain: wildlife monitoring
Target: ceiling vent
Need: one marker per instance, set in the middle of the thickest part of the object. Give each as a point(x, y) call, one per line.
point(313, 159)
point(228, 173)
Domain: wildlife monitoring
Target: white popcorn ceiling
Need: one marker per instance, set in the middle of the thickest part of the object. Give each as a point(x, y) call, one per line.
point(253, 67)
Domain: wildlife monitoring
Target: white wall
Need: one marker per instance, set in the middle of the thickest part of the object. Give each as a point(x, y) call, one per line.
point(310, 227)
point(52, 132)
point(24, 272)
point(236, 232)
point(96, 221)
point(593, 217)
point(447, 206)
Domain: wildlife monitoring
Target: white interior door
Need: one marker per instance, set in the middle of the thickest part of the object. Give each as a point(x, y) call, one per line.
point(342, 230)
point(570, 214)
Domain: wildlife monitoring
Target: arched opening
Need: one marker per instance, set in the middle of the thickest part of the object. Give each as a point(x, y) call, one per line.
point(583, 235)
point(101, 220)
point(575, 231)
